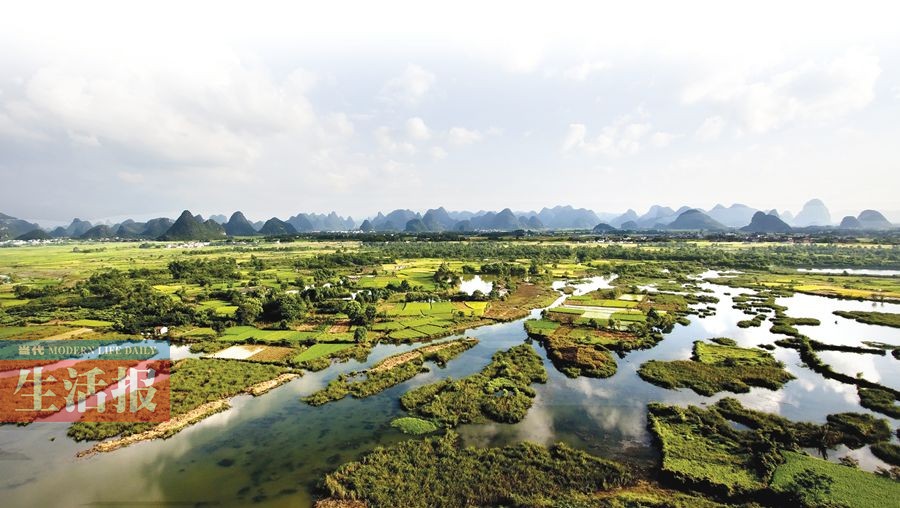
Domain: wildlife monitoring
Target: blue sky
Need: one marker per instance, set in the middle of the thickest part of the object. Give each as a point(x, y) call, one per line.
point(108, 111)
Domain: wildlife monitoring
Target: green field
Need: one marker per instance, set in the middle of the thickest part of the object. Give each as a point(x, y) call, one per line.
point(849, 486)
point(320, 351)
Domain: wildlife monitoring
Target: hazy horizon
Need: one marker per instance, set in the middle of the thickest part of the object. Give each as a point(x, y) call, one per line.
point(359, 108)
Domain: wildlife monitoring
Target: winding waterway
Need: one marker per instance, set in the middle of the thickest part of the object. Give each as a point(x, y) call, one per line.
point(273, 449)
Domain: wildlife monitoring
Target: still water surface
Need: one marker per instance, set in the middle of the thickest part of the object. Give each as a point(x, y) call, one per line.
point(273, 449)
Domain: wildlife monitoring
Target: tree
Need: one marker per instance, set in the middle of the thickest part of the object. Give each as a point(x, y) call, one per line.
point(285, 307)
point(371, 313)
point(444, 275)
point(359, 335)
point(248, 311)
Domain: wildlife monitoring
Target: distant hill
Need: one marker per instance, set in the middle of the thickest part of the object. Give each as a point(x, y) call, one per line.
point(629, 216)
point(872, 219)
point(11, 227)
point(277, 227)
point(629, 226)
point(221, 219)
point(34, 234)
point(438, 220)
point(366, 226)
point(129, 229)
point(304, 222)
point(188, 227)
point(78, 227)
point(463, 225)
point(154, 228)
point(734, 216)
point(97, 232)
point(814, 213)
point(393, 221)
point(655, 216)
point(533, 222)
point(695, 220)
point(238, 225)
point(415, 226)
point(567, 217)
point(505, 220)
point(301, 223)
point(850, 222)
point(603, 228)
point(766, 223)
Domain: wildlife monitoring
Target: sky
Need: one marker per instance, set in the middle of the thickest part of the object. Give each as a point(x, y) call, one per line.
point(121, 109)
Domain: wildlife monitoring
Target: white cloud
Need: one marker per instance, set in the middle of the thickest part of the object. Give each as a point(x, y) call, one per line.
point(710, 129)
point(417, 130)
point(438, 153)
point(410, 87)
point(661, 139)
point(388, 144)
point(129, 177)
point(810, 92)
point(582, 71)
point(463, 136)
point(626, 136)
point(217, 115)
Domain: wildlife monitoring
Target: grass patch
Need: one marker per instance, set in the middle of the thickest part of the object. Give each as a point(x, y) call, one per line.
point(319, 351)
point(888, 452)
point(842, 485)
point(877, 399)
point(871, 318)
point(439, 472)
point(389, 372)
point(193, 383)
point(500, 392)
point(414, 426)
point(715, 368)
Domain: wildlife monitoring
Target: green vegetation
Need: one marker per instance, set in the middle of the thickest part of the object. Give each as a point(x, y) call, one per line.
point(389, 372)
point(580, 342)
point(317, 300)
point(809, 481)
point(500, 392)
point(193, 383)
point(715, 368)
point(888, 452)
point(575, 359)
point(438, 472)
point(414, 426)
point(876, 400)
point(879, 399)
point(845, 286)
point(860, 429)
point(871, 318)
point(703, 451)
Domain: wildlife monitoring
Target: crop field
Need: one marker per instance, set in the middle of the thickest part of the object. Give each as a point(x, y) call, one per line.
point(317, 351)
point(244, 333)
point(220, 307)
point(33, 332)
point(588, 301)
point(830, 285)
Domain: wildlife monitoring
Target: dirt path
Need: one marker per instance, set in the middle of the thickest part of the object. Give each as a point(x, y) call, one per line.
point(69, 335)
point(176, 424)
point(393, 361)
point(261, 388)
